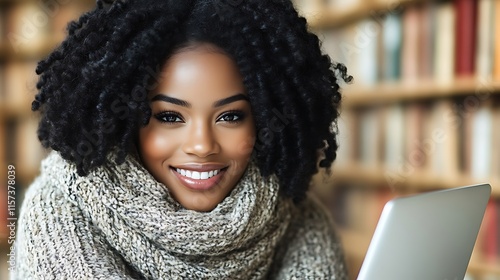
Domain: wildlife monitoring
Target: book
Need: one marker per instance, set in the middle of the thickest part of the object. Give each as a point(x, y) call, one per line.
point(489, 233)
point(370, 135)
point(392, 40)
point(495, 149)
point(444, 43)
point(394, 137)
point(497, 230)
point(496, 40)
point(485, 39)
point(366, 42)
point(481, 143)
point(426, 42)
point(410, 58)
point(466, 11)
point(442, 139)
point(416, 147)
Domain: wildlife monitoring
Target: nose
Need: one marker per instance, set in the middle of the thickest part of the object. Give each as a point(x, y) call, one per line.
point(201, 141)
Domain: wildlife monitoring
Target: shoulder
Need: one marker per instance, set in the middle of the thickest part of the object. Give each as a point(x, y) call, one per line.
point(44, 204)
point(44, 226)
point(311, 247)
point(53, 238)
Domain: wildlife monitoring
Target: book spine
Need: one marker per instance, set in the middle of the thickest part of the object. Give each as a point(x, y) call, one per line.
point(496, 63)
point(491, 231)
point(485, 43)
point(392, 36)
point(444, 40)
point(410, 59)
point(466, 11)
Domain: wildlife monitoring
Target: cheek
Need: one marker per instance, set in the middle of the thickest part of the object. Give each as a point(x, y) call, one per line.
point(155, 144)
point(239, 146)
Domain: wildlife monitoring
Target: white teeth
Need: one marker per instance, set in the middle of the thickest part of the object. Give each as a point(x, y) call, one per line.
point(197, 175)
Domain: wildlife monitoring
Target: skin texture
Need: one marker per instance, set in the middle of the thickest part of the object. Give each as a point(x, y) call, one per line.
point(197, 132)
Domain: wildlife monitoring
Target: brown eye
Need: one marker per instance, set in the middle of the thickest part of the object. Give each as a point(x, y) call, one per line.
point(169, 117)
point(232, 117)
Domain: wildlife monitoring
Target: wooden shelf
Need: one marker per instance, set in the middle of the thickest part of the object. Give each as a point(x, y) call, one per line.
point(327, 18)
point(356, 96)
point(418, 181)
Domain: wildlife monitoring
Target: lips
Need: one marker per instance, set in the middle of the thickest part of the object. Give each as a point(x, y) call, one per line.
point(199, 177)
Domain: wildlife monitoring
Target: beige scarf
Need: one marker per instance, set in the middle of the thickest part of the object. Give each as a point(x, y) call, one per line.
point(161, 240)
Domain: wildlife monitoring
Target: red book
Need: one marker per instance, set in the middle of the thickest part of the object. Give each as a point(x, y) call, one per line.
point(466, 15)
point(497, 232)
point(490, 232)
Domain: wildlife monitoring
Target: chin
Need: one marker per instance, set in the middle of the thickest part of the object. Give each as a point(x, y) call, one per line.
point(201, 207)
point(200, 204)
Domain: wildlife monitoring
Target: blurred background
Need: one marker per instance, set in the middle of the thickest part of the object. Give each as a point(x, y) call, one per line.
point(419, 116)
point(29, 31)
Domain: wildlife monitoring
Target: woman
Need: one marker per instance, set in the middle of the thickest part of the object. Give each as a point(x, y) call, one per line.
point(184, 137)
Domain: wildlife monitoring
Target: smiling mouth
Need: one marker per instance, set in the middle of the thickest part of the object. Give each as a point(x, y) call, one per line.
point(197, 175)
point(199, 180)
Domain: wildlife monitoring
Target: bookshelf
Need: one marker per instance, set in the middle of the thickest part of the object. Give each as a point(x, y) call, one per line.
point(29, 31)
point(336, 15)
point(409, 123)
point(358, 96)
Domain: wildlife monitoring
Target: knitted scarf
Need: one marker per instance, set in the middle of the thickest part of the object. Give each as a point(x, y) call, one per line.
point(120, 223)
point(160, 239)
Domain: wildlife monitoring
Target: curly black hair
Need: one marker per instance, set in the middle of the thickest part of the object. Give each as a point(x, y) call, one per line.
point(93, 88)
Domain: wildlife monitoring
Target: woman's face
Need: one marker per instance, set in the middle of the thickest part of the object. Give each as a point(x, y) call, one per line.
point(201, 133)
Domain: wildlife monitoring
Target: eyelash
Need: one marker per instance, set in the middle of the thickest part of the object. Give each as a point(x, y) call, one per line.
point(240, 116)
point(167, 114)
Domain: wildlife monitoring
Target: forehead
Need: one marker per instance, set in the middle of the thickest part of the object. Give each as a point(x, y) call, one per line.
point(200, 69)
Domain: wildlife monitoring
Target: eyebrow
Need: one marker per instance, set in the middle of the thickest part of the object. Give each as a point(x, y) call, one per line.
point(231, 99)
point(218, 103)
point(162, 97)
